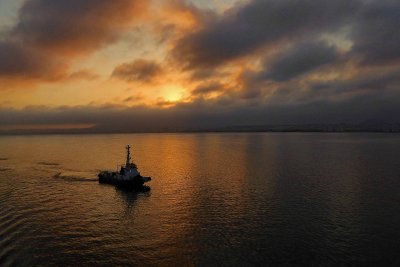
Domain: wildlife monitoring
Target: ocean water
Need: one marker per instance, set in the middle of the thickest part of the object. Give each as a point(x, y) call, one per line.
point(248, 199)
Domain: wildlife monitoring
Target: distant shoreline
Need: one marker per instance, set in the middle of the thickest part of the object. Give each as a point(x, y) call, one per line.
point(191, 132)
point(282, 128)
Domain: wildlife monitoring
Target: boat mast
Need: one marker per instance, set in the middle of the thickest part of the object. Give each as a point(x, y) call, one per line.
point(128, 155)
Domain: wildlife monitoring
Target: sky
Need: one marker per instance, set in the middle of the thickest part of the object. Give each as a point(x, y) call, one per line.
point(133, 65)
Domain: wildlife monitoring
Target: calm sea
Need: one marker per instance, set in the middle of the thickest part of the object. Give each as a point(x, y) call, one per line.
point(216, 199)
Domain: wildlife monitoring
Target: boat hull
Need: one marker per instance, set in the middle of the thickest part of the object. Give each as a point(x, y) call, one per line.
point(136, 182)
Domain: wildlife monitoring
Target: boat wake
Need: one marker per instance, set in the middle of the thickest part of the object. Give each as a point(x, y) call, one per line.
point(69, 177)
point(48, 163)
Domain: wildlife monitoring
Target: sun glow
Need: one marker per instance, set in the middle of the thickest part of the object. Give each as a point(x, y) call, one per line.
point(173, 93)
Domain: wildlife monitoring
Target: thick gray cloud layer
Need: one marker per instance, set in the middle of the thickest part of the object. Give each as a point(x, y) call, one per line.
point(207, 89)
point(375, 32)
point(74, 26)
point(15, 59)
point(376, 82)
point(248, 27)
point(372, 27)
point(138, 70)
point(300, 59)
point(287, 36)
point(203, 115)
point(51, 31)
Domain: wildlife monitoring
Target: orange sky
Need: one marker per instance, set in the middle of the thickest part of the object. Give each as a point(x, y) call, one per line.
point(81, 70)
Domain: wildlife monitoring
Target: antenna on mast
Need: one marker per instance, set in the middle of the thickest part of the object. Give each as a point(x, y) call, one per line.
point(128, 155)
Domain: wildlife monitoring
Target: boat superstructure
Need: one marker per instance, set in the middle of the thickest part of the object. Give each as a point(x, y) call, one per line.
point(127, 177)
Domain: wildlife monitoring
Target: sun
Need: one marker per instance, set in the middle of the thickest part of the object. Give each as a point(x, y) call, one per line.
point(173, 93)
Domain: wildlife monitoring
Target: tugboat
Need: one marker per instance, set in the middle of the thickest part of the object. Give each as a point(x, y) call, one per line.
point(128, 176)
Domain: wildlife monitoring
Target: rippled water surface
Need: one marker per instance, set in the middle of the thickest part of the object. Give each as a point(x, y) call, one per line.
point(215, 199)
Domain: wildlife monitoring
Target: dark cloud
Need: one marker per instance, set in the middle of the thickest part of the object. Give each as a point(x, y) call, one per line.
point(17, 60)
point(375, 33)
point(84, 74)
point(252, 85)
point(298, 60)
point(245, 28)
point(74, 26)
point(202, 74)
point(134, 98)
point(375, 81)
point(48, 32)
point(139, 70)
point(369, 85)
point(207, 89)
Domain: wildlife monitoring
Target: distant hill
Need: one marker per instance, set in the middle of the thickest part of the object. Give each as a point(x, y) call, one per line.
point(340, 127)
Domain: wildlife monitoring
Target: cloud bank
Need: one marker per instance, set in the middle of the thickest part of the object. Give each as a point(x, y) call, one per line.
point(52, 31)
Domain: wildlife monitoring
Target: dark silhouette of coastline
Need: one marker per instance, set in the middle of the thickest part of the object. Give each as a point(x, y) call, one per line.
point(342, 127)
point(328, 128)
